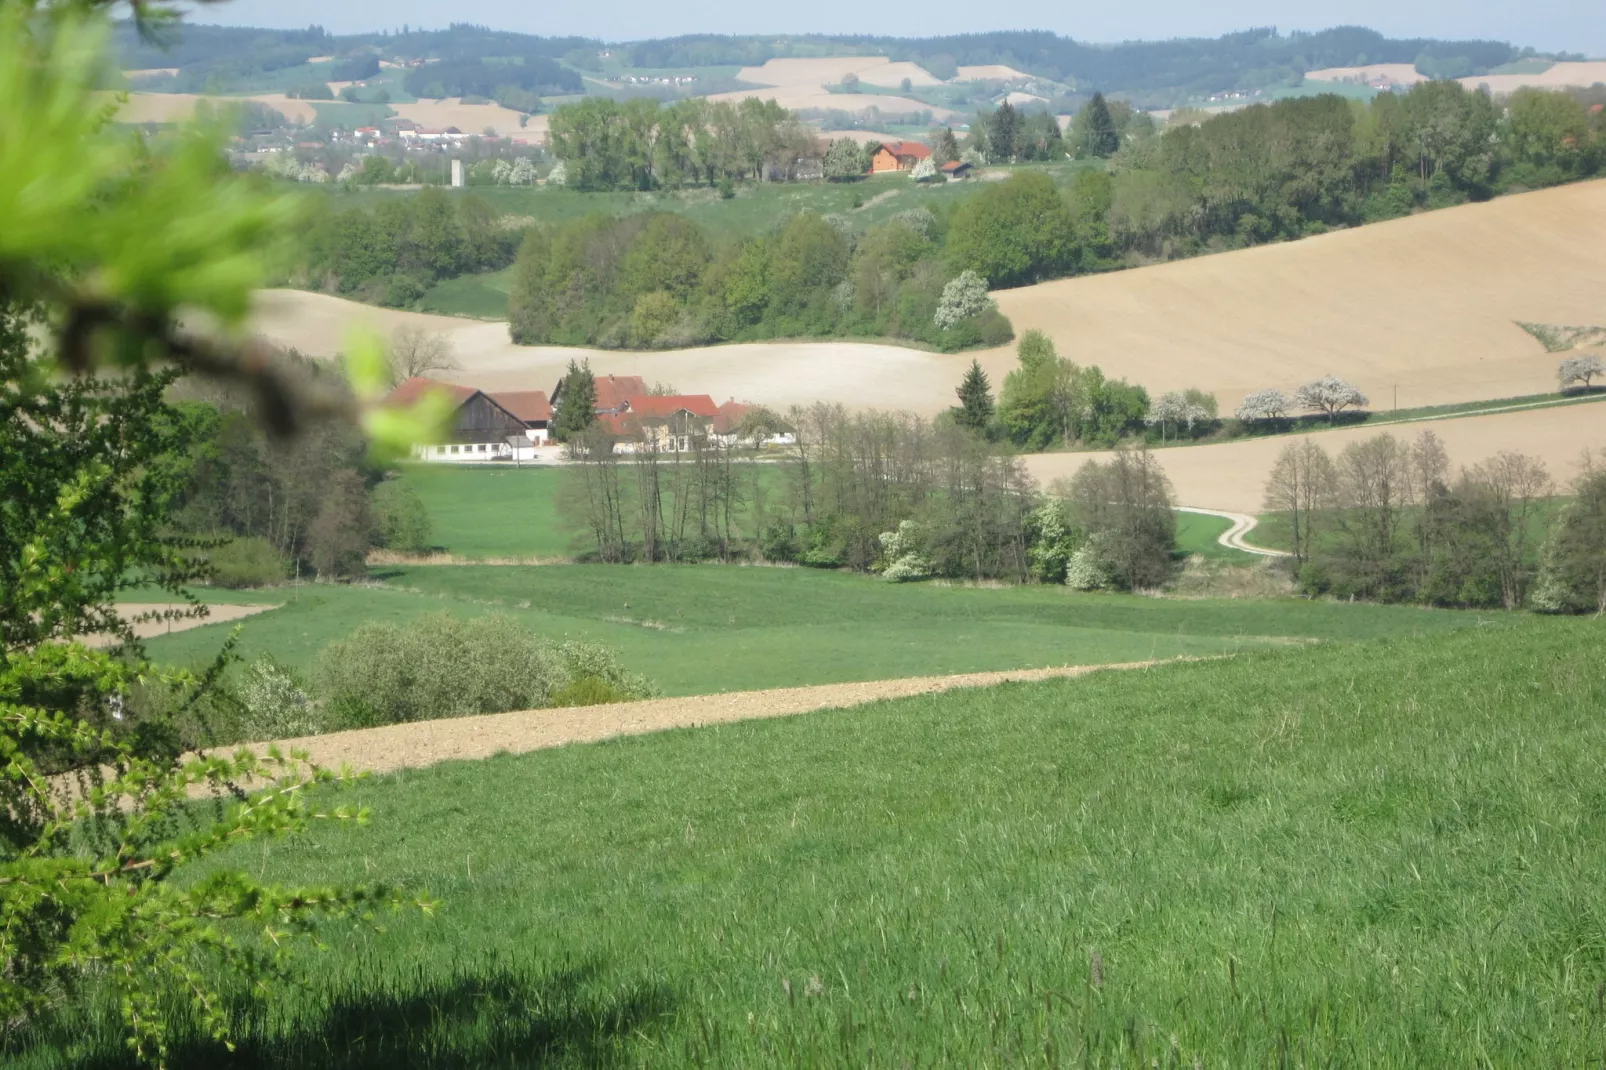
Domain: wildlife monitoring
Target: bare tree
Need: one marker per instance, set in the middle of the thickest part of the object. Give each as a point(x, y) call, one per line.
point(415, 352)
point(1125, 506)
point(1302, 485)
point(1374, 488)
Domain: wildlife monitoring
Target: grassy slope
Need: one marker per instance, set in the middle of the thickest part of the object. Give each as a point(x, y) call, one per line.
point(492, 512)
point(1384, 855)
point(703, 629)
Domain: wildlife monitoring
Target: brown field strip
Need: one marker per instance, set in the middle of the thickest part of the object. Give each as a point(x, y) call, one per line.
point(424, 743)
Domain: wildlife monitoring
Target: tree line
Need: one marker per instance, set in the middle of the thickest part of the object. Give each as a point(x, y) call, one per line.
point(1267, 173)
point(1387, 519)
point(659, 280)
point(392, 253)
point(641, 144)
point(889, 493)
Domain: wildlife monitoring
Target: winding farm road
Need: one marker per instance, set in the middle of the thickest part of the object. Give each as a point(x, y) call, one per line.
point(1233, 537)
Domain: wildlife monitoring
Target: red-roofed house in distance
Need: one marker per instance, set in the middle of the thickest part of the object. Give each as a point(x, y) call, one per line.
point(484, 427)
point(738, 423)
point(898, 156)
point(612, 392)
point(667, 422)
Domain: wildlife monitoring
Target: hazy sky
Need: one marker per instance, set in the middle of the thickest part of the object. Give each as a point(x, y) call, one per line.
point(1549, 25)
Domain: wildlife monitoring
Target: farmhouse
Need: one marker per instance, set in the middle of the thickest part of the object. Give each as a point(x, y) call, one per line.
point(660, 421)
point(485, 427)
point(613, 392)
point(898, 156)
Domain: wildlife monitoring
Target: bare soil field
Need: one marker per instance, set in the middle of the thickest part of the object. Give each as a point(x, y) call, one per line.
point(861, 136)
point(814, 73)
point(775, 373)
point(1018, 99)
point(1232, 476)
point(1398, 73)
point(469, 118)
point(991, 72)
point(177, 107)
point(1426, 304)
point(814, 98)
point(217, 614)
point(422, 743)
point(1559, 76)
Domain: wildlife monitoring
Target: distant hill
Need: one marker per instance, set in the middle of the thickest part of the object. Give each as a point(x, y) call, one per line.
point(202, 58)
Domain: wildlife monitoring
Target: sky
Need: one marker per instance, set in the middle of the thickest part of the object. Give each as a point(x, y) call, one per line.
point(1548, 25)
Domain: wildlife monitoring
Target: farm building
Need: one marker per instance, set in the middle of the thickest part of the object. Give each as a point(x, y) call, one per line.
point(485, 427)
point(955, 170)
point(898, 156)
point(613, 391)
point(660, 422)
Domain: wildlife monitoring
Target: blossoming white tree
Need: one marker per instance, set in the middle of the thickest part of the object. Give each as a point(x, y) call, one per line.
point(1261, 405)
point(1330, 395)
point(963, 297)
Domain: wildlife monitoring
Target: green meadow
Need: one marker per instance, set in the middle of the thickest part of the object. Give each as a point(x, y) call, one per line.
point(1384, 854)
point(699, 629)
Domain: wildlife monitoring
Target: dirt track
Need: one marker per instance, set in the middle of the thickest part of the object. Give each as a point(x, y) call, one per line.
point(422, 743)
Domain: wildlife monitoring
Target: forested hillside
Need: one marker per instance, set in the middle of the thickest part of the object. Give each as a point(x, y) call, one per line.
point(1151, 73)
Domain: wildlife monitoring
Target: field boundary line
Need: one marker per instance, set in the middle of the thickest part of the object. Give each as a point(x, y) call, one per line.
point(419, 744)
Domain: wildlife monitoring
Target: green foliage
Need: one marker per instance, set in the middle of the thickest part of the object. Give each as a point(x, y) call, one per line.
point(443, 666)
point(1095, 129)
point(1124, 505)
point(577, 402)
point(658, 280)
point(276, 704)
point(1013, 232)
point(248, 561)
point(637, 144)
point(401, 521)
point(976, 408)
point(1573, 577)
point(845, 160)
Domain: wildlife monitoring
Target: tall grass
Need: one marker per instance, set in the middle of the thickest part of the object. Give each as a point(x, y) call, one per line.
point(1384, 855)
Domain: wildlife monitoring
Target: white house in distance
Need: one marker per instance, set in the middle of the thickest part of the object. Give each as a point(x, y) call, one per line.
point(508, 426)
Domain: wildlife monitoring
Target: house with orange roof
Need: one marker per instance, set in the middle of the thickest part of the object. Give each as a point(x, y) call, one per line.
point(898, 156)
point(485, 427)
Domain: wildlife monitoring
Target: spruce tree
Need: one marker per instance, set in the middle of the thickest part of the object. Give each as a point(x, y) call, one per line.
point(577, 404)
point(975, 409)
point(1102, 138)
point(1003, 132)
point(947, 147)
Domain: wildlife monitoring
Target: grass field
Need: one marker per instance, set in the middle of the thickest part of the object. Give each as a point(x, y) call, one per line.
point(492, 512)
point(1200, 534)
point(700, 629)
point(1384, 855)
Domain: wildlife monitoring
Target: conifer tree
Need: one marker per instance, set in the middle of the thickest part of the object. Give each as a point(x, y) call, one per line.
point(1102, 138)
point(976, 407)
point(947, 147)
point(1003, 133)
point(577, 404)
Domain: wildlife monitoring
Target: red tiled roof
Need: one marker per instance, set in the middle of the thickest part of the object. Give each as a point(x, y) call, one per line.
point(612, 390)
point(647, 405)
point(912, 149)
point(410, 391)
point(730, 416)
point(953, 165)
point(528, 405)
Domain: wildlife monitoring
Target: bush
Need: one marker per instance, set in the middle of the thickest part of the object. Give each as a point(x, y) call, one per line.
point(248, 562)
point(400, 518)
point(441, 666)
point(275, 703)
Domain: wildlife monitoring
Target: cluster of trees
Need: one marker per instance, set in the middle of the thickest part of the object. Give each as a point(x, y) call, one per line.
point(1269, 173)
point(883, 492)
point(1386, 519)
point(392, 253)
point(1050, 401)
point(519, 86)
point(641, 144)
point(658, 280)
point(268, 508)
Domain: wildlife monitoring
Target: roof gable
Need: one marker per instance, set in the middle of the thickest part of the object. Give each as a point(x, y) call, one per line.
point(531, 406)
point(662, 405)
point(412, 389)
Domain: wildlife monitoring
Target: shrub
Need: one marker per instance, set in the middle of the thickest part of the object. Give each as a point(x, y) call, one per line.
point(275, 703)
point(400, 518)
point(247, 562)
point(965, 296)
point(901, 551)
point(442, 666)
